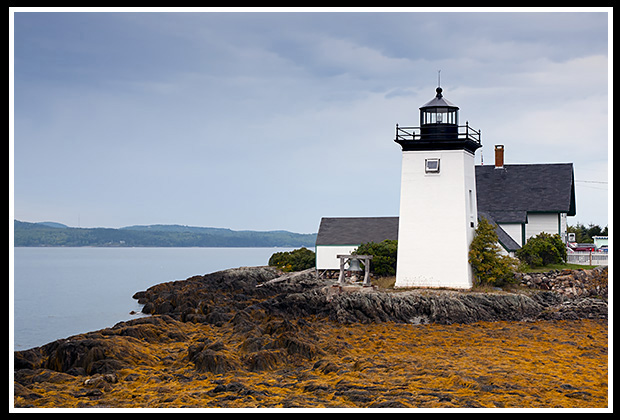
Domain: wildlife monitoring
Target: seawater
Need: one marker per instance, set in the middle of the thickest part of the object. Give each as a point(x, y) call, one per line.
point(59, 292)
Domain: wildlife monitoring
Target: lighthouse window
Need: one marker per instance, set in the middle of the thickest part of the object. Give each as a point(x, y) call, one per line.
point(432, 166)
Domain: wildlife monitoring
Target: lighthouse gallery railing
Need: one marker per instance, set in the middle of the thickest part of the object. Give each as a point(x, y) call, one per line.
point(464, 132)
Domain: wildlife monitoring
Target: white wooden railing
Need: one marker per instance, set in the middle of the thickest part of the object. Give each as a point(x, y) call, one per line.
point(588, 258)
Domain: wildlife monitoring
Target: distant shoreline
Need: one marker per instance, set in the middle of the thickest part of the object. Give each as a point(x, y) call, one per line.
point(49, 234)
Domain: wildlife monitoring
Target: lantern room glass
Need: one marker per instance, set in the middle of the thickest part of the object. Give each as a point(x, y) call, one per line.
point(439, 116)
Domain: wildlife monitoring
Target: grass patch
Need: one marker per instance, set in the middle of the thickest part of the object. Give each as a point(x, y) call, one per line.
point(550, 267)
point(384, 282)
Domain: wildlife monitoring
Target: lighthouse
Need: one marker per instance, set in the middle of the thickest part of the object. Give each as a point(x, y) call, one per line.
point(438, 212)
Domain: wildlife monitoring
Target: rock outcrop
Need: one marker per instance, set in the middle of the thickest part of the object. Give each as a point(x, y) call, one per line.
point(441, 307)
point(103, 351)
point(216, 298)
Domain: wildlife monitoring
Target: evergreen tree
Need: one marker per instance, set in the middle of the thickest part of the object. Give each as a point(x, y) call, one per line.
point(489, 266)
point(584, 234)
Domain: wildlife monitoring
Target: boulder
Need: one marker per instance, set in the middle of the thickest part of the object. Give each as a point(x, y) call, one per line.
point(264, 360)
point(208, 360)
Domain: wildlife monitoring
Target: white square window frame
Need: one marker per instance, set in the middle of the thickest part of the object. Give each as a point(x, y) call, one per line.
point(431, 165)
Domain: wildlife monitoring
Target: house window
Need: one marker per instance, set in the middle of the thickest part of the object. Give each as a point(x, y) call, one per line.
point(431, 166)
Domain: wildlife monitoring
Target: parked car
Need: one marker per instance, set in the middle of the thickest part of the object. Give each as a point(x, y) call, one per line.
point(575, 247)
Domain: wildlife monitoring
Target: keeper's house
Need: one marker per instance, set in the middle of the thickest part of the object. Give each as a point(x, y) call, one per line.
point(525, 200)
point(522, 200)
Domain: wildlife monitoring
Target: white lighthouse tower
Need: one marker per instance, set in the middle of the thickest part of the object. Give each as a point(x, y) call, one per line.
point(438, 213)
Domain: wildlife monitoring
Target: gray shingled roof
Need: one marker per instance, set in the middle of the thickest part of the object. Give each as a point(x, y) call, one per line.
point(356, 230)
point(503, 237)
point(508, 193)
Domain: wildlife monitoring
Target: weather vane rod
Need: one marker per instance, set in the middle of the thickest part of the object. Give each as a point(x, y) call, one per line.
point(438, 78)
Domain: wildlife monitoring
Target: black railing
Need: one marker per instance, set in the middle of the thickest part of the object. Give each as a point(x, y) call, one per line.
point(438, 132)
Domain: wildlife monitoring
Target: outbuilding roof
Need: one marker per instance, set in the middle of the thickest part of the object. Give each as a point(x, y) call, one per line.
point(356, 230)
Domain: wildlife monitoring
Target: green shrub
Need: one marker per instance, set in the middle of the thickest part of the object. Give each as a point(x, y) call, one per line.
point(383, 262)
point(542, 249)
point(489, 266)
point(296, 260)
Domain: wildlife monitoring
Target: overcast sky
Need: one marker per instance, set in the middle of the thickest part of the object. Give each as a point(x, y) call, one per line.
point(268, 121)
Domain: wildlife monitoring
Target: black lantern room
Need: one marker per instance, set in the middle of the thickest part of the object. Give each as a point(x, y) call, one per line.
point(439, 118)
point(439, 129)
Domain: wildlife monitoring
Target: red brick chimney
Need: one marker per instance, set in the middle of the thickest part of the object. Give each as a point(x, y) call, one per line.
point(499, 156)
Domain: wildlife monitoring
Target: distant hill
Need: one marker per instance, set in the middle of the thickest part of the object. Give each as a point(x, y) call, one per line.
point(57, 234)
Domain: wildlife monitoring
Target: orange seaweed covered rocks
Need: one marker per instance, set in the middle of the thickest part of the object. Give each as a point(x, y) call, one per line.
point(254, 337)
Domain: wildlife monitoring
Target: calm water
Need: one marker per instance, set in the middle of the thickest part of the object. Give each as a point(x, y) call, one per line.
point(59, 292)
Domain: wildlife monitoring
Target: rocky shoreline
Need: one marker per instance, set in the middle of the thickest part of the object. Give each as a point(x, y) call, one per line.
point(218, 297)
point(257, 319)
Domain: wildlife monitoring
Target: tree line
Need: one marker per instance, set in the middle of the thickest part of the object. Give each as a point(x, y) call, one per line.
point(35, 234)
point(585, 234)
